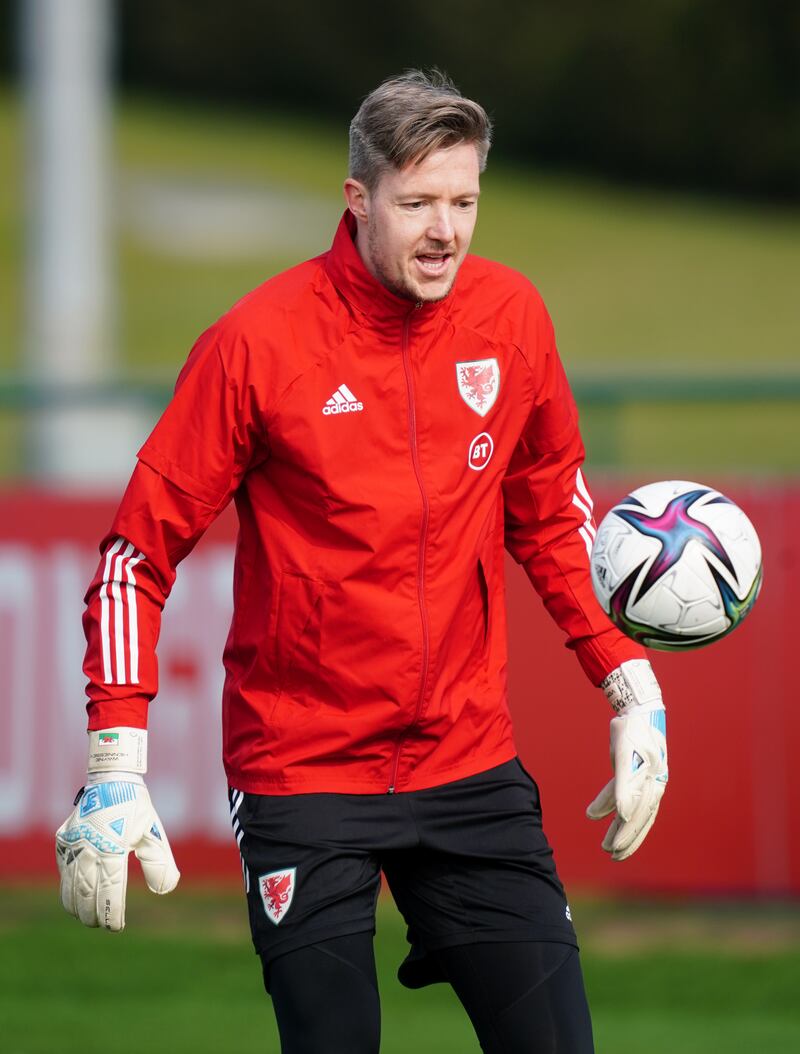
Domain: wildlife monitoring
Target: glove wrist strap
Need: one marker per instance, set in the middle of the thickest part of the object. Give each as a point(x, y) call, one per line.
point(633, 684)
point(115, 749)
point(113, 774)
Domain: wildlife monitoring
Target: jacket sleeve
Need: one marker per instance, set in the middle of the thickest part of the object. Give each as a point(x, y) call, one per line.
point(549, 520)
point(187, 471)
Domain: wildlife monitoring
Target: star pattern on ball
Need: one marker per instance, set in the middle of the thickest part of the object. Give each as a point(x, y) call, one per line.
point(674, 528)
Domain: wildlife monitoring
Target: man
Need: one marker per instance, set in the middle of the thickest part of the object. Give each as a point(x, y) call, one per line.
point(387, 417)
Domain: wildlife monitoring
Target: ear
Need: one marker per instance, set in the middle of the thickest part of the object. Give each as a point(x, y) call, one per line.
point(357, 197)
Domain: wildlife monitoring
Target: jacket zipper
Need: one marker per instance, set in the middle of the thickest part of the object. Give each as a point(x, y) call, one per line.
point(423, 536)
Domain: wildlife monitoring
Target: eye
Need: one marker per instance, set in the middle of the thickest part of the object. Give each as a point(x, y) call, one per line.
point(414, 206)
point(465, 204)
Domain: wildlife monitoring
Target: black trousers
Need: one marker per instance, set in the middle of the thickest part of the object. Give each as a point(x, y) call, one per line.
point(473, 874)
point(523, 997)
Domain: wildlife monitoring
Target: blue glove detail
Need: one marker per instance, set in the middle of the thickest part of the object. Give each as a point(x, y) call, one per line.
point(91, 835)
point(102, 795)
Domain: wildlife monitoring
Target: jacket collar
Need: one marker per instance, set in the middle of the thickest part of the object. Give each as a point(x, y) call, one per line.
point(366, 294)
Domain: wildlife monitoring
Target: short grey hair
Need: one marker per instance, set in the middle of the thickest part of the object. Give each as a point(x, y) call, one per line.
point(407, 118)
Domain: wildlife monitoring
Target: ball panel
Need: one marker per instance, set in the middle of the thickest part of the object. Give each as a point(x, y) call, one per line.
point(738, 536)
point(617, 550)
point(676, 565)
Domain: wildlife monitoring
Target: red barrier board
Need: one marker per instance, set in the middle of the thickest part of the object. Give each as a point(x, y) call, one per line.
point(730, 819)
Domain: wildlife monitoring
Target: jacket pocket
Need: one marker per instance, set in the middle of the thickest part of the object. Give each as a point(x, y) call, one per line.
point(483, 586)
point(488, 578)
point(297, 641)
point(476, 610)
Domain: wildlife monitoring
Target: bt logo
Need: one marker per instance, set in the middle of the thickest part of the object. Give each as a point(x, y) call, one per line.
point(480, 451)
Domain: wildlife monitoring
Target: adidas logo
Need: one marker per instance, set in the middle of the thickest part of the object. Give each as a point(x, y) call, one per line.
point(342, 402)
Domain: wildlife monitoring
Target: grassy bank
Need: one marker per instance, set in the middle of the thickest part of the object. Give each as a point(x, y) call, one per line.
point(183, 978)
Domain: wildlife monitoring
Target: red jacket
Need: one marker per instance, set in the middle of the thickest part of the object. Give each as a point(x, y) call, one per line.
point(381, 455)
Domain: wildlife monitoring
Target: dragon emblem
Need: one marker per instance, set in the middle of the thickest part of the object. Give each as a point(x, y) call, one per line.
point(478, 384)
point(277, 891)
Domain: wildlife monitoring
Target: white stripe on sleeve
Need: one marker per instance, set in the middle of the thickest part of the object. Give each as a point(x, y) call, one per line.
point(587, 541)
point(586, 505)
point(120, 656)
point(119, 612)
point(580, 483)
point(105, 638)
point(133, 617)
point(586, 512)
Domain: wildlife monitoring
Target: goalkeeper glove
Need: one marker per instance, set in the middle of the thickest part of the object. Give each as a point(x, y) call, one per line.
point(638, 758)
point(113, 814)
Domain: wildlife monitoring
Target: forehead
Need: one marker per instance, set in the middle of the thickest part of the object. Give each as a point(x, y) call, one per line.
point(454, 170)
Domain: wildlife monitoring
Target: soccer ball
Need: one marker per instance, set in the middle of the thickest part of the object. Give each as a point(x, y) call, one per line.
point(676, 565)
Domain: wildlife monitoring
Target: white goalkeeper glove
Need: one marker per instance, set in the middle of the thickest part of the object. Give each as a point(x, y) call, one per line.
point(113, 815)
point(638, 758)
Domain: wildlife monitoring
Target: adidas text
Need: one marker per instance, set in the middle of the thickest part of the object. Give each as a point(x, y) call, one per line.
point(344, 408)
point(342, 402)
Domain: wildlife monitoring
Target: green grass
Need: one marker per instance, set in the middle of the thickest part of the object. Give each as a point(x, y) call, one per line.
point(183, 978)
point(658, 282)
point(653, 281)
point(643, 282)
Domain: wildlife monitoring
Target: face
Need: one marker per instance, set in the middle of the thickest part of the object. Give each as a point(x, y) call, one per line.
point(415, 226)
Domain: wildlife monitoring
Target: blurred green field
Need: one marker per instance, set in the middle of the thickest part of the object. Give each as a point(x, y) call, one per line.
point(183, 978)
point(644, 284)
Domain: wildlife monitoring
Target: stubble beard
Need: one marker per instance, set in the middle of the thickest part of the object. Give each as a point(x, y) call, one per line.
point(406, 290)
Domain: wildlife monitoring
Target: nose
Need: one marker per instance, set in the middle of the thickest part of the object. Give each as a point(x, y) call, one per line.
point(441, 226)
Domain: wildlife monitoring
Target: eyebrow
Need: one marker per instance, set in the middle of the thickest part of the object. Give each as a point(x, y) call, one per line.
point(418, 195)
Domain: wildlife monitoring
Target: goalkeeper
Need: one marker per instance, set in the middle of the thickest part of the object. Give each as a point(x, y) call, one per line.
point(388, 418)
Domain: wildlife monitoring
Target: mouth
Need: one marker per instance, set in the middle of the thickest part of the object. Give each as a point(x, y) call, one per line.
point(433, 265)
